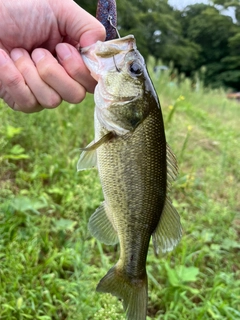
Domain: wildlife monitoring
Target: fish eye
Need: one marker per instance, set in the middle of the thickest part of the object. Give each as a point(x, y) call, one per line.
point(135, 69)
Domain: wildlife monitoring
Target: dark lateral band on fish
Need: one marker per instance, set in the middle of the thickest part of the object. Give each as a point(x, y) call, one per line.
point(107, 15)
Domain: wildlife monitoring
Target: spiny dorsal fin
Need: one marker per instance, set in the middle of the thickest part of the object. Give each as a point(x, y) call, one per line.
point(101, 227)
point(169, 230)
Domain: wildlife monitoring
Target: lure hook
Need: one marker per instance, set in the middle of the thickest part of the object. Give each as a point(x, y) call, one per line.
point(118, 70)
point(112, 25)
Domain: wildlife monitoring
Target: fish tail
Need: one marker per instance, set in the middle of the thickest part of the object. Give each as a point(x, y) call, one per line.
point(133, 292)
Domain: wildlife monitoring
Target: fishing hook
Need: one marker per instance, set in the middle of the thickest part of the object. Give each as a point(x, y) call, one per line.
point(112, 25)
point(118, 70)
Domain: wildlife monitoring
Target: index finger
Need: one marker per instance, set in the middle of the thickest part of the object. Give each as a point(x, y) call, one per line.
point(79, 25)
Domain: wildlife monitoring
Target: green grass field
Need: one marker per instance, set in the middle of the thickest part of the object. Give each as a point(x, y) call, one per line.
point(49, 263)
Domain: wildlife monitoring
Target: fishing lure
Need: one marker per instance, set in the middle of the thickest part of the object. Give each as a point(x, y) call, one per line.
point(107, 15)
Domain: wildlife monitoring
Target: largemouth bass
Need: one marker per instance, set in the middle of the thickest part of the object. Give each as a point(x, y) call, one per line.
point(135, 165)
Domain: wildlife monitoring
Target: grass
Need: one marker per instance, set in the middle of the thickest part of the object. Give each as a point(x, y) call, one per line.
point(49, 263)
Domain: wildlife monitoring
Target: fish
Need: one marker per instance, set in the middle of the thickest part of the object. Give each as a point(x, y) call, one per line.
point(136, 168)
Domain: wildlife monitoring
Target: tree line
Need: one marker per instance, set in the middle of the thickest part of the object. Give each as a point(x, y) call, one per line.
point(197, 40)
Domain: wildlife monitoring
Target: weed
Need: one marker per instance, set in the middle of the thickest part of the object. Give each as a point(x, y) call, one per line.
point(50, 265)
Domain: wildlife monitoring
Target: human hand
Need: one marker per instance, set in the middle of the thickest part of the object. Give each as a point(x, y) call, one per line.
point(31, 34)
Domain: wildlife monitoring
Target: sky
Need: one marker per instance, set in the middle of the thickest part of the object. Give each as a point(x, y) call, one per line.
point(180, 4)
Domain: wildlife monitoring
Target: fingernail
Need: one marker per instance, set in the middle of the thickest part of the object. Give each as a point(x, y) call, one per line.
point(16, 54)
point(37, 55)
point(3, 57)
point(63, 51)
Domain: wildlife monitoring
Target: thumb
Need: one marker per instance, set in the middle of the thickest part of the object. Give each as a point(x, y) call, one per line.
point(78, 24)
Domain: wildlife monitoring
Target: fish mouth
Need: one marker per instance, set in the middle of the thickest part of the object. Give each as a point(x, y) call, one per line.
point(101, 57)
point(111, 47)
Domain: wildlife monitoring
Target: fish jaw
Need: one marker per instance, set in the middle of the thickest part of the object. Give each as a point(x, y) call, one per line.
point(93, 55)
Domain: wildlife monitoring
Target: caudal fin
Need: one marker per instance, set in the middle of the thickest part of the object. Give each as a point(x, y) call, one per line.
point(133, 292)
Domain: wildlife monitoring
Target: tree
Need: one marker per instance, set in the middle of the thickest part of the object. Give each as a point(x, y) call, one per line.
point(230, 4)
point(89, 5)
point(212, 31)
point(198, 36)
point(155, 28)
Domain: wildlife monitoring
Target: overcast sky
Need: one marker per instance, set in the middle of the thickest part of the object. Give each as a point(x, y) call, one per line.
point(180, 4)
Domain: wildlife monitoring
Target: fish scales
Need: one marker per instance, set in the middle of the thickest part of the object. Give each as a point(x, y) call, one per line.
point(135, 166)
point(131, 178)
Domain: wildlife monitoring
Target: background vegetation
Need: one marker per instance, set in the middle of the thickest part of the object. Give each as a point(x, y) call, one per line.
point(198, 39)
point(49, 263)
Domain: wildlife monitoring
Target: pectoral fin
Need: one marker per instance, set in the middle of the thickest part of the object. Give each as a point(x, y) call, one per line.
point(169, 230)
point(88, 158)
point(94, 145)
point(101, 227)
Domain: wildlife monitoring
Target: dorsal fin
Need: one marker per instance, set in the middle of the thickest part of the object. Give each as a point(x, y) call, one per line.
point(169, 230)
point(172, 167)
